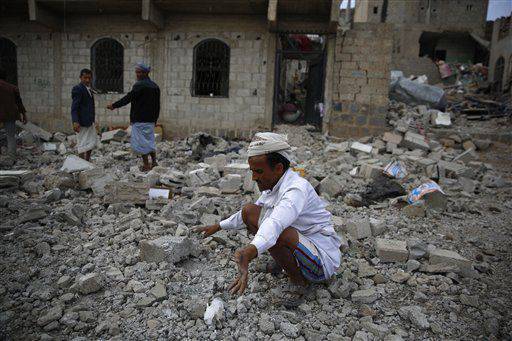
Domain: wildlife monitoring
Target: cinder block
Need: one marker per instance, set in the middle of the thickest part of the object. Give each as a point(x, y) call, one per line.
point(441, 256)
point(392, 138)
point(171, 249)
point(415, 141)
point(391, 250)
point(359, 229)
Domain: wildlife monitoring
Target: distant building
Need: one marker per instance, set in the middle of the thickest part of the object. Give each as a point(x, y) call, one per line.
point(500, 61)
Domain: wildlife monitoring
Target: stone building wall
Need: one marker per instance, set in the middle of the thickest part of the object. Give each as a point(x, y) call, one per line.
point(361, 80)
point(49, 64)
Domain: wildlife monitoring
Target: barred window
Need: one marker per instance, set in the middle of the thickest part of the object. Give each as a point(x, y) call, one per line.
point(107, 57)
point(211, 69)
point(8, 60)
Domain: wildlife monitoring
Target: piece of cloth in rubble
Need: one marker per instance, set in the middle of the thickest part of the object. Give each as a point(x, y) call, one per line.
point(86, 139)
point(143, 67)
point(293, 202)
point(266, 143)
point(143, 138)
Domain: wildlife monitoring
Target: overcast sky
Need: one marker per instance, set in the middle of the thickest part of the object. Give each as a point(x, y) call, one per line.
point(497, 8)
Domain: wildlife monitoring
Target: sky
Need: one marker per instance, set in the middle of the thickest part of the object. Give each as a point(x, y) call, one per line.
point(497, 8)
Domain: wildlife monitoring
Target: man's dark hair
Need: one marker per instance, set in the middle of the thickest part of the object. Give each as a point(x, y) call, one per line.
point(274, 158)
point(85, 72)
point(3, 74)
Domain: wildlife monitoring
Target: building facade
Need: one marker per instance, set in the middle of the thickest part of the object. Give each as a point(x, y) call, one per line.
point(500, 61)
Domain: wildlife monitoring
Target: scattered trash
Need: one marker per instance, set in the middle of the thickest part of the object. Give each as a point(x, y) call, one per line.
point(396, 169)
point(215, 310)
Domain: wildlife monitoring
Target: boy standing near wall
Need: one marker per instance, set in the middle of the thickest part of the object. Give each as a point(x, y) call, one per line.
point(83, 115)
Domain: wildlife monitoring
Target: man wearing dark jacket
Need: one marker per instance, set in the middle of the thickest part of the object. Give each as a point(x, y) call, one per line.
point(145, 108)
point(83, 115)
point(11, 109)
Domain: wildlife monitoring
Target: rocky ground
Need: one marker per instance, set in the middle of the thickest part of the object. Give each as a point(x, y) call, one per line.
point(81, 264)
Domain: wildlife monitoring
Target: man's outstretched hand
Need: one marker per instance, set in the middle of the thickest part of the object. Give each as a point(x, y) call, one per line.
point(242, 259)
point(207, 231)
point(110, 106)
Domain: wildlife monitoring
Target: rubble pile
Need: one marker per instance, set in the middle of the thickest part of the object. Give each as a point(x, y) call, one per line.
point(87, 254)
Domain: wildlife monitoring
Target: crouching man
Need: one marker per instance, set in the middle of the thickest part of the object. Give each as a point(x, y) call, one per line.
point(289, 220)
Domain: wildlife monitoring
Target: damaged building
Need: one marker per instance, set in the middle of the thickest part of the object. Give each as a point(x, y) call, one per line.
point(500, 60)
point(427, 30)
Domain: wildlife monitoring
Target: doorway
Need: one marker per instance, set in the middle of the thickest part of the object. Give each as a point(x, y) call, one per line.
point(299, 80)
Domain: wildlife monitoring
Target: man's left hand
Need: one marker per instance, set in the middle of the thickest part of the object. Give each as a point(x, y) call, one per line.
point(242, 259)
point(110, 106)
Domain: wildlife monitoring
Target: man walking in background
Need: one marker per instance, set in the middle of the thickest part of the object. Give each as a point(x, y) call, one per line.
point(145, 109)
point(83, 115)
point(11, 110)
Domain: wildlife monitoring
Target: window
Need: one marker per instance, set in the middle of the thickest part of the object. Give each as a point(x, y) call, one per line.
point(211, 69)
point(375, 10)
point(8, 60)
point(107, 65)
point(469, 8)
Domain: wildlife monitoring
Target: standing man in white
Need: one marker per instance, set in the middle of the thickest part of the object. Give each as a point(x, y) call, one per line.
point(83, 115)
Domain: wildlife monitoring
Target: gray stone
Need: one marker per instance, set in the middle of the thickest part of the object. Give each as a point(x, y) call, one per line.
point(200, 177)
point(448, 257)
point(236, 168)
point(453, 169)
point(365, 269)
point(359, 229)
point(52, 195)
point(392, 138)
point(89, 283)
point(64, 281)
point(378, 330)
point(377, 226)
point(364, 296)
point(331, 186)
point(414, 141)
point(417, 248)
point(289, 329)
point(400, 276)
point(219, 161)
point(415, 316)
point(74, 164)
point(230, 183)
point(96, 179)
point(159, 291)
point(35, 130)
point(360, 336)
point(114, 135)
point(53, 314)
point(171, 249)
point(412, 265)
point(468, 155)
point(32, 214)
point(391, 250)
point(369, 171)
point(126, 192)
point(482, 144)
point(467, 185)
point(358, 147)
point(493, 181)
point(266, 324)
point(414, 211)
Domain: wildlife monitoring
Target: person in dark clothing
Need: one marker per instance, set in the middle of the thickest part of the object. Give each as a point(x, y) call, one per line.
point(145, 109)
point(11, 110)
point(83, 115)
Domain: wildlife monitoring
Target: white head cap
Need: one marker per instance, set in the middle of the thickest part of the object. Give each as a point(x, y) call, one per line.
point(266, 143)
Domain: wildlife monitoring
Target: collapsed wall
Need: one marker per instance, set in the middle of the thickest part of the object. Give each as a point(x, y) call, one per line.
point(361, 80)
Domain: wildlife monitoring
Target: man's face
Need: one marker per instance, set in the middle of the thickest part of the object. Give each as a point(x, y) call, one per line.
point(85, 79)
point(264, 176)
point(140, 74)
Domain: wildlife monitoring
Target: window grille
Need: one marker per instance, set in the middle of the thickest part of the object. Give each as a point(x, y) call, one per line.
point(107, 58)
point(8, 60)
point(211, 69)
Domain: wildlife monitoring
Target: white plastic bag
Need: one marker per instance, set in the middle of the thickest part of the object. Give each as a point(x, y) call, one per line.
point(214, 310)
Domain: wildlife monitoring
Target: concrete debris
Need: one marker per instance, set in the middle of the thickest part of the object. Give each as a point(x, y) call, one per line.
point(358, 147)
point(74, 164)
point(35, 130)
point(89, 254)
point(169, 249)
point(114, 135)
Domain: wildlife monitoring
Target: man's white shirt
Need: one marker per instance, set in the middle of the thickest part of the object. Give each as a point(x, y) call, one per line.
point(293, 202)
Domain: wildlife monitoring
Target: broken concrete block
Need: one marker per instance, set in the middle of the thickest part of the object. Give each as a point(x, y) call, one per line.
point(219, 161)
point(365, 296)
point(236, 168)
point(249, 185)
point(14, 178)
point(414, 211)
point(337, 147)
point(440, 119)
point(415, 316)
point(121, 154)
point(377, 226)
point(330, 186)
point(171, 249)
point(448, 257)
point(230, 183)
point(95, 179)
point(391, 250)
point(114, 135)
point(468, 155)
point(126, 192)
point(89, 283)
point(415, 141)
point(482, 144)
point(467, 145)
point(359, 229)
point(74, 164)
point(392, 138)
point(208, 191)
point(453, 169)
point(156, 204)
point(33, 214)
point(369, 171)
point(417, 248)
point(358, 147)
point(49, 147)
point(35, 130)
point(199, 177)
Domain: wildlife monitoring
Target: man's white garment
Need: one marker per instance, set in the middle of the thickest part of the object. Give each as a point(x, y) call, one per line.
point(293, 202)
point(86, 139)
